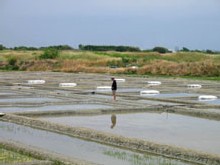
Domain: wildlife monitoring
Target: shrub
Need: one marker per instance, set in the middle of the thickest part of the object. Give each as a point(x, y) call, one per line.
point(184, 49)
point(12, 61)
point(49, 53)
point(2, 47)
point(160, 50)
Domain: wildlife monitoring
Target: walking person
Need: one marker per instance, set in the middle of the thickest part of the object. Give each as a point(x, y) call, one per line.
point(114, 88)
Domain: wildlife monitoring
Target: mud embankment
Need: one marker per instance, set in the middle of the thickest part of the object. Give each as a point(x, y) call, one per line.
point(183, 110)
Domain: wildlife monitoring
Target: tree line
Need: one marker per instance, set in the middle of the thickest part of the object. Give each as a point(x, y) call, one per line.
point(109, 48)
point(81, 47)
point(57, 47)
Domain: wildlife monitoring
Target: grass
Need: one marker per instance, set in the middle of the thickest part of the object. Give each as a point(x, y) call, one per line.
point(187, 57)
point(202, 78)
point(8, 157)
point(183, 64)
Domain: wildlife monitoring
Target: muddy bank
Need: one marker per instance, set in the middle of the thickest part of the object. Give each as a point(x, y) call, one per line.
point(45, 158)
point(117, 141)
point(213, 114)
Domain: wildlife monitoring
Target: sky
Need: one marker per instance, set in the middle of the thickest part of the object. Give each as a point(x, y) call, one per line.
point(194, 24)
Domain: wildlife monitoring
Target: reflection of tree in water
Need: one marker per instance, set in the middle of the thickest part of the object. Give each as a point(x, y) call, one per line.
point(113, 119)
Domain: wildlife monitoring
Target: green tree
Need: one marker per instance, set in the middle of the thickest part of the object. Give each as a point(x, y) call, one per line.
point(210, 51)
point(109, 48)
point(81, 47)
point(160, 49)
point(184, 49)
point(58, 47)
point(24, 48)
point(2, 47)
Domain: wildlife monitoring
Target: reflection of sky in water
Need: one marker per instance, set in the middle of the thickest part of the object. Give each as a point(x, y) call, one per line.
point(56, 108)
point(102, 96)
point(169, 95)
point(150, 102)
point(214, 101)
point(129, 89)
point(123, 90)
point(190, 132)
point(176, 95)
point(29, 100)
point(73, 147)
point(6, 93)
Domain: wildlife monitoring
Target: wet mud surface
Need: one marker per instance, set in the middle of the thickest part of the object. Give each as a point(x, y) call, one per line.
point(82, 112)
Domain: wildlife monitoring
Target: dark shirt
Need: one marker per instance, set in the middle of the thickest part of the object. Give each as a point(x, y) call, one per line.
point(114, 85)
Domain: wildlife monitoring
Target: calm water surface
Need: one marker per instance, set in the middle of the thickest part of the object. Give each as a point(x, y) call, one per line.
point(81, 149)
point(190, 132)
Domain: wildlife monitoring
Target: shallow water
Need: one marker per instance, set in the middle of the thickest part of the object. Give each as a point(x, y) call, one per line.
point(29, 100)
point(77, 148)
point(189, 132)
point(56, 108)
point(107, 97)
point(150, 102)
point(6, 93)
point(129, 89)
point(171, 95)
point(213, 102)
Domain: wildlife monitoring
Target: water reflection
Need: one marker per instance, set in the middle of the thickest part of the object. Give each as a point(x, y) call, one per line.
point(76, 148)
point(164, 128)
point(113, 119)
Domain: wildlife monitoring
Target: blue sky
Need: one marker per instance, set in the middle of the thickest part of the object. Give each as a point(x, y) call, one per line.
point(193, 24)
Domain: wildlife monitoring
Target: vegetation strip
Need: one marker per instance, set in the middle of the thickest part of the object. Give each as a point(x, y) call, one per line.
point(201, 65)
point(118, 141)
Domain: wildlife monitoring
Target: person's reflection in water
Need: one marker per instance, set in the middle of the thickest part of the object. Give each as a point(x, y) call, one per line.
point(113, 119)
